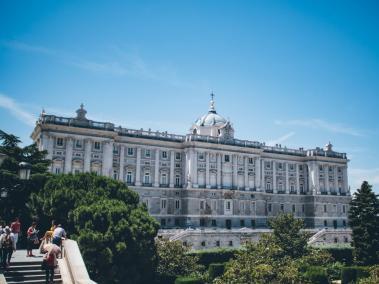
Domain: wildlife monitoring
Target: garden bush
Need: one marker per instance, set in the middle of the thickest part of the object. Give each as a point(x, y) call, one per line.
point(216, 270)
point(341, 254)
point(188, 280)
point(316, 274)
point(206, 257)
point(353, 273)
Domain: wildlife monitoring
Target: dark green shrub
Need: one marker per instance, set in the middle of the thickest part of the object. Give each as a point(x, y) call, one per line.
point(353, 273)
point(341, 254)
point(334, 270)
point(206, 257)
point(216, 270)
point(316, 274)
point(188, 280)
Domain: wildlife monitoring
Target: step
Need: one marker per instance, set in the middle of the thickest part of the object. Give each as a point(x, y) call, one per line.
point(29, 272)
point(40, 276)
point(56, 281)
point(24, 267)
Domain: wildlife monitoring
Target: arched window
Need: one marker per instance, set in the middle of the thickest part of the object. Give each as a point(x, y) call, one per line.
point(195, 131)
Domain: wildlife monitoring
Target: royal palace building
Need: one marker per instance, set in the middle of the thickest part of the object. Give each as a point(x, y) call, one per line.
point(207, 178)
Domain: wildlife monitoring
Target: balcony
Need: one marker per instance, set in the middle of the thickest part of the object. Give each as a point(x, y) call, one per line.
point(147, 184)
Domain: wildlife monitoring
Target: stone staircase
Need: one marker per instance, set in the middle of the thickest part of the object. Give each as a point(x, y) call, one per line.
point(28, 270)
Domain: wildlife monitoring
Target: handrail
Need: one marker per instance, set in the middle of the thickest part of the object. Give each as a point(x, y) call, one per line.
point(74, 262)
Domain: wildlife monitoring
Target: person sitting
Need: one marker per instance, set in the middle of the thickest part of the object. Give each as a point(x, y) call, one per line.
point(59, 234)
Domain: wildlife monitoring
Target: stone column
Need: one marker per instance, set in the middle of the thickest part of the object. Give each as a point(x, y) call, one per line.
point(326, 178)
point(235, 173)
point(207, 179)
point(87, 155)
point(68, 157)
point(262, 180)
point(219, 173)
point(258, 182)
point(246, 172)
point(317, 178)
point(345, 181)
point(172, 167)
point(287, 178)
point(274, 177)
point(107, 163)
point(156, 169)
point(194, 168)
point(122, 163)
point(335, 173)
point(48, 145)
point(297, 182)
point(187, 168)
point(138, 167)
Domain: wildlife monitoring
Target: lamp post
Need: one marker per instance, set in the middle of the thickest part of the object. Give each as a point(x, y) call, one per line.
point(24, 171)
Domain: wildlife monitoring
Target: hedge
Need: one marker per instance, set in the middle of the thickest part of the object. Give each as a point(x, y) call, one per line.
point(341, 254)
point(188, 280)
point(206, 257)
point(316, 274)
point(353, 273)
point(216, 270)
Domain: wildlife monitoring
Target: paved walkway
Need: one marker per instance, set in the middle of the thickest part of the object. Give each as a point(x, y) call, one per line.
point(20, 256)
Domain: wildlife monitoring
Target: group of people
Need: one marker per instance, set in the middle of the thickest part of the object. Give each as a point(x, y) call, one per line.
point(8, 241)
point(50, 244)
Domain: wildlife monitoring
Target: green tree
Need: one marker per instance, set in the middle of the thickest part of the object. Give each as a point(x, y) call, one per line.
point(174, 260)
point(288, 236)
point(114, 232)
point(364, 222)
point(15, 192)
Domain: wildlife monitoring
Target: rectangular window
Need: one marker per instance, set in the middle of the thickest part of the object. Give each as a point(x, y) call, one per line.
point(177, 180)
point(129, 177)
point(178, 156)
point(97, 145)
point(217, 243)
point(343, 208)
point(325, 209)
point(242, 223)
point(253, 224)
point(291, 167)
point(177, 222)
point(163, 203)
point(163, 222)
point(251, 160)
point(130, 151)
point(177, 204)
point(115, 149)
point(147, 153)
point(303, 208)
point(201, 156)
point(164, 179)
point(201, 204)
point(59, 141)
point(228, 205)
point(164, 154)
point(78, 144)
point(227, 158)
point(293, 208)
point(300, 167)
point(269, 207)
point(280, 166)
point(282, 207)
point(202, 223)
point(146, 179)
point(214, 223)
point(115, 175)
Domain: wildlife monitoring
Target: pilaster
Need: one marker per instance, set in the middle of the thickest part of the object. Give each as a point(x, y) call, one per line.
point(274, 177)
point(207, 180)
point(219, 173)
point(172, 167)
point(68, 157)
point(246, 172)
point(156, 169)
point(122, 163)
point(138, 167)
point(87, 155)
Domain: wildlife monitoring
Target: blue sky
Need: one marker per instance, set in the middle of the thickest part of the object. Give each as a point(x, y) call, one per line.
point(298, 73)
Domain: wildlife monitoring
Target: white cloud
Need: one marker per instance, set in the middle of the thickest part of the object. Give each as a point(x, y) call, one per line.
point(281, 139)
point(122, 64)
point(317, 123)
point(16, 110)
point(357, 176)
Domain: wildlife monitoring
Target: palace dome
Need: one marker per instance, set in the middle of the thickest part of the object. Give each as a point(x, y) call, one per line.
point(210, 124)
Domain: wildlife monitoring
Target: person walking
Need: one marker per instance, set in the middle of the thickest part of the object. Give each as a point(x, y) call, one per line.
point(50, 261)
point(16, 229)
point(32, 239)
point(8, 246)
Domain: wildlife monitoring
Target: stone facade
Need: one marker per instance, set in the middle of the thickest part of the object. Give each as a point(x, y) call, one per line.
point(207, 178)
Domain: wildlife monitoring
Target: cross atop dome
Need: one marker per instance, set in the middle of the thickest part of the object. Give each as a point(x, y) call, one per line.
point(212, 108)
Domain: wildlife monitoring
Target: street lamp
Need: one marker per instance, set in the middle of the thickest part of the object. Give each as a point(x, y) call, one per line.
point(24, 170)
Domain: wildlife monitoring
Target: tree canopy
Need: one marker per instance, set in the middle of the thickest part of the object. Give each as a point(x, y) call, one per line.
point(364, 222)
point(114, 232)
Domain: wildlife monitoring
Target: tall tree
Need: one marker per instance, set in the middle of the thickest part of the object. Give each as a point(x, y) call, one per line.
point(364, 222)
point(15, 192)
